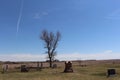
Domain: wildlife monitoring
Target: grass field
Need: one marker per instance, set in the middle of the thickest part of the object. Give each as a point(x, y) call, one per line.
point(90, 72)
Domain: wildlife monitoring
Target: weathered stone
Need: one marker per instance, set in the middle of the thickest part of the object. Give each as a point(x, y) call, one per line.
point(41, 65)
point(24, 68)
point(4, 68)
point(68, 67)
point(111, 72)
point(54, 66)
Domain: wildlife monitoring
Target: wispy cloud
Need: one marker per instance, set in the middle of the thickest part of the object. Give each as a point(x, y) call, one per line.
point(108, 54)
point(19, 17)
point(114, 14)
point(40, 15)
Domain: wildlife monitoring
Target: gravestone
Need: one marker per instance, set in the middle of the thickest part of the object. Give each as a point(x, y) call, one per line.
point(24, 68)
point(38, 64)
point(41, 65)
point(4, 68)
point(54, 66)
point(111, 72)
point(38, 68)
point(68, 67)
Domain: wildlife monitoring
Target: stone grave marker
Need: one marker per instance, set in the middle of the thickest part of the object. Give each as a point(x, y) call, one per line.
point(68, 67)
point(54, 66)
point(111, 72)
point(4, 68)
point(24, 68)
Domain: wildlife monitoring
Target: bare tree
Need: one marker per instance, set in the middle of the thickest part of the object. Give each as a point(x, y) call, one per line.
point(51, 40)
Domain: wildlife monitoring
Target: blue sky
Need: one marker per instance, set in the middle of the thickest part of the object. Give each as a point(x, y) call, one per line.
point(88, 27)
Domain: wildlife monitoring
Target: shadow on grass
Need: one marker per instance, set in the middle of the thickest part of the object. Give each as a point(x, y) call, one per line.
point(99, 74)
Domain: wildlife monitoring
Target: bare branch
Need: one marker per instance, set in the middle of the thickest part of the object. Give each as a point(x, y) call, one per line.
point(51, 41)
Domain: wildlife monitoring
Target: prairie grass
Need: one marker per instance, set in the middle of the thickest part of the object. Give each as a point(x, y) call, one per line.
point(90, 72)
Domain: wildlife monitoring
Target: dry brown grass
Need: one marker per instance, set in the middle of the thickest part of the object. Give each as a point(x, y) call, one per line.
point(95, 70)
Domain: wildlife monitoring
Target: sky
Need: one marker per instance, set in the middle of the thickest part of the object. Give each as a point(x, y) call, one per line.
point(90, 29)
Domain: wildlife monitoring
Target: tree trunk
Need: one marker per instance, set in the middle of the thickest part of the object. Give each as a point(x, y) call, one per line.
point(50, 62)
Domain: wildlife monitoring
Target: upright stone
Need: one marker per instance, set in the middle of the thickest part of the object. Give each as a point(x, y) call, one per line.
point(38, 66)
point(54, 66)
point(68, 67)
point(4, 68)
point(24, 68)
point(111, 72)
point(41, 65)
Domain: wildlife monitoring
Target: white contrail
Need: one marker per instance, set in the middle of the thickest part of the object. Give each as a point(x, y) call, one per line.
point(19, 17)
